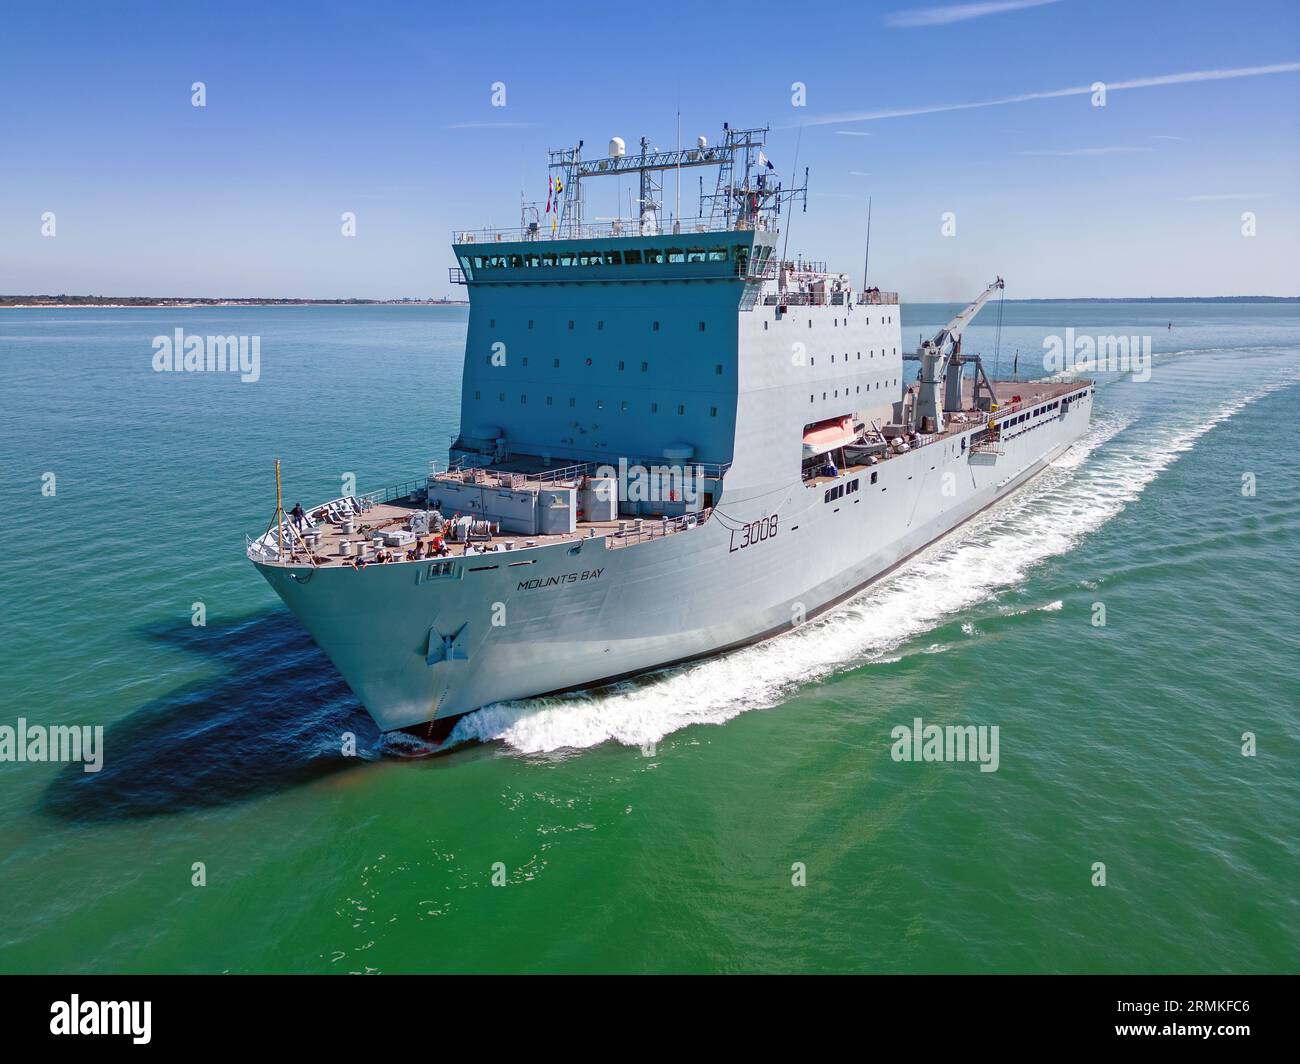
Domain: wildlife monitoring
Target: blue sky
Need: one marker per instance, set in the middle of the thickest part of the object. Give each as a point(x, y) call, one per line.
point(385, 110)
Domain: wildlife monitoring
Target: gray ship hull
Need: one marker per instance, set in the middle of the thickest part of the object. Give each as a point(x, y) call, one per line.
point(418, 645)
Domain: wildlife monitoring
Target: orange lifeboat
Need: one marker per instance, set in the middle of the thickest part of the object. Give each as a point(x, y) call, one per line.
point(827, 436)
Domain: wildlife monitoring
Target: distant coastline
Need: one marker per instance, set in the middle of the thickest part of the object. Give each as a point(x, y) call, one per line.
point(47, 302)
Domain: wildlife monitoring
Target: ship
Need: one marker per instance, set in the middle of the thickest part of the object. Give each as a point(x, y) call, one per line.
point(675, 441)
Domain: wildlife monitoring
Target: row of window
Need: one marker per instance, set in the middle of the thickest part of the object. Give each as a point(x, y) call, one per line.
point(622, 364)
point(600, 325)
point(739, 254)
point(624, 404)
point(840, 490)
point(857, 390)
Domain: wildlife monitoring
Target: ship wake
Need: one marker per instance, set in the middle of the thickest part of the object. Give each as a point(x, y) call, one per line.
point(998, 549)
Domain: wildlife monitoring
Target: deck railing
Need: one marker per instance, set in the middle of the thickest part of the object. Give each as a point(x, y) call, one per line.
point(654, 528)
point(611, 227)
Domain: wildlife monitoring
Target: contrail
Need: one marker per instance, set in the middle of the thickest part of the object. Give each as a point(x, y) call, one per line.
point(941, 16)
point(1078, 90)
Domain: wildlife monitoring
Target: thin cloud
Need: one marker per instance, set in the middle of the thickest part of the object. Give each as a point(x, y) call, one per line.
point(1165, 136)
point(853, 133)
point(859, 173)
point(941, 16)
point(1214, 197)
point(1078, 90)
point(1117, 150)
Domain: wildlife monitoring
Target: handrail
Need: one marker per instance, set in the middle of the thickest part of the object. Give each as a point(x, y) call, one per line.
point(658, 527)
point(613, 227)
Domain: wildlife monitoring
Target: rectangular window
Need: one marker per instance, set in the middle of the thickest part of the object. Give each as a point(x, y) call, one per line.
point(676, 255)
point(695, 255)
point(631, 257)
point(717, 255)
point(654, 256)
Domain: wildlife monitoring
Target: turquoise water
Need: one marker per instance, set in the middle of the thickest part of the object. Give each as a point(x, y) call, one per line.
point(1118, 744)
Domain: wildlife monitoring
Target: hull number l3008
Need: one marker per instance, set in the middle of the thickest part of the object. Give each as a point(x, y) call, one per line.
point(755, 532)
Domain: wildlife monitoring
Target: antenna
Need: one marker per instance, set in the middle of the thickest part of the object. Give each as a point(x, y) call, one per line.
point(677, 216)
point(867, 260)
point(785, 246)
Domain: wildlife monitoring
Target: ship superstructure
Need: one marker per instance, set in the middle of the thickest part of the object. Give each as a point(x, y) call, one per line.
point(674, 441)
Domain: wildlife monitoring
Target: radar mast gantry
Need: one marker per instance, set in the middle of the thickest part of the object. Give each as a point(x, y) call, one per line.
point(752, 202)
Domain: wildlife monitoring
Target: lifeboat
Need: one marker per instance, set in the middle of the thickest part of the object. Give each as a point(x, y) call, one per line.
point(827, 436)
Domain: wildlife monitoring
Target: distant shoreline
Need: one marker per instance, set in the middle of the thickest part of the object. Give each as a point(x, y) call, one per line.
point(163, 303)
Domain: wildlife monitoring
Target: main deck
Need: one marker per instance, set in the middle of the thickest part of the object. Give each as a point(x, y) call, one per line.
point(1012, 399)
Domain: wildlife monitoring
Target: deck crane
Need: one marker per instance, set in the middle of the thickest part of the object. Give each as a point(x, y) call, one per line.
point(942, 364)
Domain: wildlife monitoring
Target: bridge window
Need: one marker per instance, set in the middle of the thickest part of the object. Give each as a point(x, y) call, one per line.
point(713, 411)
point(717, 255)
point(654, 256)
point(676, 255)
point(631, 257)
point(695, 254)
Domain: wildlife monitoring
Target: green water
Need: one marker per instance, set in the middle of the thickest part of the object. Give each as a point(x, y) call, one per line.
point(1119, 744)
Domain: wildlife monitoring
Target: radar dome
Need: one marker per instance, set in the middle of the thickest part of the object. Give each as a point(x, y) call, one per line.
point(617, 148)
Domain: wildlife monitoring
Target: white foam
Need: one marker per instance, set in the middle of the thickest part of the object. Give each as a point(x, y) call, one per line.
point(1049, 517)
